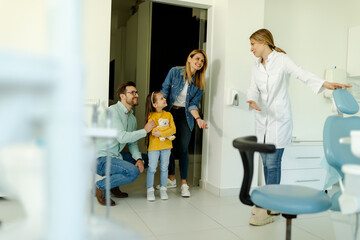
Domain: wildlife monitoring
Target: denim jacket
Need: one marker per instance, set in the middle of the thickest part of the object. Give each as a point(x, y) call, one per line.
point(172, 87)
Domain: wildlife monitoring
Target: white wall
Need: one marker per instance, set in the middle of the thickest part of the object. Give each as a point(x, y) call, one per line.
point(23, 30)
point(230, 25)
point(96, 21)
point(314, 34)
point(243, 18)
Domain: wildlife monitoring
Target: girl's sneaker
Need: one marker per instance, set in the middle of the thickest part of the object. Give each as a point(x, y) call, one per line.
point(185, 190)
point(150, 194)
point(163, 193)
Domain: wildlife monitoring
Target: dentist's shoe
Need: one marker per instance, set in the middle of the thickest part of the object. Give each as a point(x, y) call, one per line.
point(261, 218)
point(255, 210)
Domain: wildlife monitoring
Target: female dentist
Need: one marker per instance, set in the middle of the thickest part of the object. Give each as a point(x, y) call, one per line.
point(268, 95)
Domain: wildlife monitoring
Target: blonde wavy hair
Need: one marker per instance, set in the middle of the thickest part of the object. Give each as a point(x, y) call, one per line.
point(264, 35)
point(200, 74)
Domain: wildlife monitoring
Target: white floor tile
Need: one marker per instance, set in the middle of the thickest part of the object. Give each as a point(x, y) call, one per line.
point(321, 227)
point(133, 222)
point(228, 215)
point(139, 203)
point(177, 221)
point(212, 234)
point(200, 197)
point(202, 216)
point(272, 231)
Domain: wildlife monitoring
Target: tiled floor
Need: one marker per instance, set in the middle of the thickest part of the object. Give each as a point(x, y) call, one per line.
point(202, 216)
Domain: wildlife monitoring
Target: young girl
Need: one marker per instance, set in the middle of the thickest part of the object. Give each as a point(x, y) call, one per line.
point(268, 95)
point(160, 144)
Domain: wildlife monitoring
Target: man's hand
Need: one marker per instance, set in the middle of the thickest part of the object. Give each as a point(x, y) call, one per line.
point(156, 133)
point(139, 163)
point(254, 105)
point(149, 126)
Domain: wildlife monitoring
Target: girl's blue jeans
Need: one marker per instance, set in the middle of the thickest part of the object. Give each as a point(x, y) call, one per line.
point(272, 166)
point(154, 156)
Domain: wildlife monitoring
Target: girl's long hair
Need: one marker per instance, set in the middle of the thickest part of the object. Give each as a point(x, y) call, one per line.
point(200, 74)
point(149, 108)
point(264, 35)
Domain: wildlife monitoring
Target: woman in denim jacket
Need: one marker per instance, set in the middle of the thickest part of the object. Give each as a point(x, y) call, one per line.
point(183, 88)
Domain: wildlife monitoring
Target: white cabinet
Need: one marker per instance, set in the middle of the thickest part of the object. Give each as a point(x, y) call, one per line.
point(301, 165)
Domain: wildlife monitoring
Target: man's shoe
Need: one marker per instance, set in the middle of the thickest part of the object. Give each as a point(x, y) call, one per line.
point(185, 190)
point(150, 194)
point(102, 199)
point(163, 193)
point(117, 193)
point(169, 184)
point(261, 218)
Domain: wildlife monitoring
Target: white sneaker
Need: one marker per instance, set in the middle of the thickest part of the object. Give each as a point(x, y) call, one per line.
point(255, 210)
point(185, 190)
point(163, 193)
point(169, 184)
point(261, 218)
point(150, 194)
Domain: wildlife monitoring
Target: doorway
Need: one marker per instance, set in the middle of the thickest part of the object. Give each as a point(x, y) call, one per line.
point(147, 40)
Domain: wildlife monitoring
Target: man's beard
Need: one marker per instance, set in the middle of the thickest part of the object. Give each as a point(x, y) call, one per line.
point(132, 102)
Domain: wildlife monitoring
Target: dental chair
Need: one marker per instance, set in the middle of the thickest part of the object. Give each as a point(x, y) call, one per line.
point(292, 200)
point(337, 127)
point(289, 200)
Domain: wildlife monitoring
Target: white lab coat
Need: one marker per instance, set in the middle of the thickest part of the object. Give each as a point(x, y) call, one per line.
point(269, 89)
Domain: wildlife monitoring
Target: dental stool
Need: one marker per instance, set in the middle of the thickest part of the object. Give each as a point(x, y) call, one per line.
point(289, 200)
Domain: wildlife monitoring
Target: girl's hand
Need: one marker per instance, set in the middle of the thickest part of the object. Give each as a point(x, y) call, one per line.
point(333, 86)
point(202, 124)
point(254, 105)
point(156, 133)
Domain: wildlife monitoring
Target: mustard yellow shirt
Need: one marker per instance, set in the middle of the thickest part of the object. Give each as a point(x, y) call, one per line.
point(154, 142)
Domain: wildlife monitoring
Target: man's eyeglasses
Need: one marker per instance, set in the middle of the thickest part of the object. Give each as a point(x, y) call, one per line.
point(134, 93)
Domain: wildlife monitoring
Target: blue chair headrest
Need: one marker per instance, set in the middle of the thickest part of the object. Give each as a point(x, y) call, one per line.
point(345, 102)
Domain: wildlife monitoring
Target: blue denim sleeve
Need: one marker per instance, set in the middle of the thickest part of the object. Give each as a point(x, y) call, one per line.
point(167, 84)
point(194, 102)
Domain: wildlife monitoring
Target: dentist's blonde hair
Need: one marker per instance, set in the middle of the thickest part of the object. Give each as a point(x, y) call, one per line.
point(200, 74)
point(264, 35)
